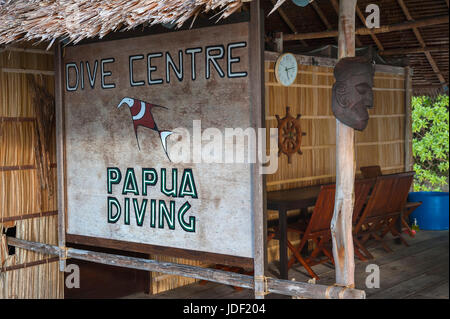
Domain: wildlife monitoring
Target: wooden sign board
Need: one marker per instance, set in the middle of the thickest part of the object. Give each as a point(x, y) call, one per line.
point(122, 99)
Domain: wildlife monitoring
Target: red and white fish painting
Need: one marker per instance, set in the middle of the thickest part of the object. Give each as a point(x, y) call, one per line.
point(141, 113)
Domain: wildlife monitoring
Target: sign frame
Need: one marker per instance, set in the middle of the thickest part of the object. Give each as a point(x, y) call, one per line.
point(256, 85)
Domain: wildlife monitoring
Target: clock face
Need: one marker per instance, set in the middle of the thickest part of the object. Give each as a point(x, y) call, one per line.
point(286, 69)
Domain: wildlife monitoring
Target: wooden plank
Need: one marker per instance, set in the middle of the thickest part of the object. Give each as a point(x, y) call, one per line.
point(288, 22)
point(28, 71)
point(286, 287)
point(28, 216)
point(402, 264)
point(442, 19)
point(419, 38)
point(256, 46)
point(403, 51)
point(30, 264)
point(26, 50)
point(161, 250)
point(372, 35)
point(341, 223)
point(439, 291)
point(408, 160)
point(329, 62)
point(60, 150)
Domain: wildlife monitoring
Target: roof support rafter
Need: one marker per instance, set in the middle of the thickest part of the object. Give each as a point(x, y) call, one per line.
point(422, 43)
point(286, 20)
point(442, 19)
point(372, 35)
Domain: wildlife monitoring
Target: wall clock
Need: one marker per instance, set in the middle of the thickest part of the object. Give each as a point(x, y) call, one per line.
point(286, 69)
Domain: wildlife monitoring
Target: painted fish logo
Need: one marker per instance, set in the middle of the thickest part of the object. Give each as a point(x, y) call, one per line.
point(141, 113)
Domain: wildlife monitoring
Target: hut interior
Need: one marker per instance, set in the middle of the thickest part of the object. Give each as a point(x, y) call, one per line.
point(411, 51)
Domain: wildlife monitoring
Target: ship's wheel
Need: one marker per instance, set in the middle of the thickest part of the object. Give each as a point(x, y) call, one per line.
point(289, 135)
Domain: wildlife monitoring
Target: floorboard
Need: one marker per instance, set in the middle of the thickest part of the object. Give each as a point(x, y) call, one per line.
point(418, 271)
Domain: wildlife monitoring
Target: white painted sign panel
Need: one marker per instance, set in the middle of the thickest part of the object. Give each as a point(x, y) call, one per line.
point(123, 101)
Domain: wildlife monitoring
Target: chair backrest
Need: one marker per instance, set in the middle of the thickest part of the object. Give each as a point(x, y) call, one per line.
point(363, 187)
point(388, 196)
point(323, 211)
point(400, 196)
point(371, 171)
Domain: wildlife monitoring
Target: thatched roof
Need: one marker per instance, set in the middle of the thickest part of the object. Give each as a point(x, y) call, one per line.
point(34, 20)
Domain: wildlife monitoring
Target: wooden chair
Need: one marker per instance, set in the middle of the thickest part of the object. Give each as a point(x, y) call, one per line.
point(383, 209)
point(363, 187)
point(316, 229)
point(371, 171)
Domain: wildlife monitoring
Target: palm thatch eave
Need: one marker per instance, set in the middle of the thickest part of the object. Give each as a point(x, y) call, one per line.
point(75, 20)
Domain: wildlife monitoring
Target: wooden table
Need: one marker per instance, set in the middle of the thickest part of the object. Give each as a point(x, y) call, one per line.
point(282, 201)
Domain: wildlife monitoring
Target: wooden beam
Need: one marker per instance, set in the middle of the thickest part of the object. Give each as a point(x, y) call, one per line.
point(404, 51)
point(26, 50)
point(256, 53)
point(443, 19)
point(291, 288)
point(372, 35)
point(286, 20)
point(419, 38)
point(28, 71)
point(408, 120)
point(59, 116)
point(341, 224)
point(322, 16)
point(278, 41)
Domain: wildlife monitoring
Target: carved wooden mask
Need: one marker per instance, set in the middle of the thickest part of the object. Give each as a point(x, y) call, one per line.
point(352, 91)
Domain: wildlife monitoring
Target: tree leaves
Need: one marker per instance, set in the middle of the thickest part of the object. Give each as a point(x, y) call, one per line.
point(430, 120)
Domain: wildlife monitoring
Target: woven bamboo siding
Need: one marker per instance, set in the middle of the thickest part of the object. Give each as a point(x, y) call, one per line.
point(22, 201)
point(381, 143)
point(163, 282)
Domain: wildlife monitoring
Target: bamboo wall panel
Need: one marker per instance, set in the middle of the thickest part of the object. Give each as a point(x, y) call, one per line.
point(163, 282)
point(381, 143)
point(25, 274)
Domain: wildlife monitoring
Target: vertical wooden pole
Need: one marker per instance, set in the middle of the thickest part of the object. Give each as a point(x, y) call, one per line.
point(408, 120)
point(341, 224)
point(59, 114)
point(278, 40)
point(256, 52)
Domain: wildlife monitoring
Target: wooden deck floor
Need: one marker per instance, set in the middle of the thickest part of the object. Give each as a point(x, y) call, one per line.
point(419, 271)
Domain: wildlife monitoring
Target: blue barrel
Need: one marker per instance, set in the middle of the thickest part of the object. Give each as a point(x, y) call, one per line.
point(433, 213)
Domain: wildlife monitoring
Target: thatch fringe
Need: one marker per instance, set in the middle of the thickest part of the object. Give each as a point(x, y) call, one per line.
point(79, 19)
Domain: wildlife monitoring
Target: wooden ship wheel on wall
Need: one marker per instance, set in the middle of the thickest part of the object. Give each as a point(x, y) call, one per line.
point(289, 134)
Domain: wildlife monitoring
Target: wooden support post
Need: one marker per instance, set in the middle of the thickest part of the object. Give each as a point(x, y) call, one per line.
point(278, 40)
point(408, 120)
point(286, 287)
point(256, 52)
point(59, 115)
point(341, 224)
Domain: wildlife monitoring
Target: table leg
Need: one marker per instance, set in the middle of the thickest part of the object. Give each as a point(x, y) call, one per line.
point(283, 244)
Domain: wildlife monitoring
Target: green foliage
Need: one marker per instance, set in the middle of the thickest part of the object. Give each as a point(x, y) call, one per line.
point(430, 142)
